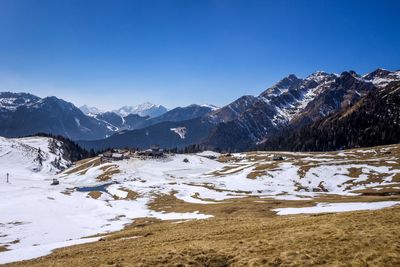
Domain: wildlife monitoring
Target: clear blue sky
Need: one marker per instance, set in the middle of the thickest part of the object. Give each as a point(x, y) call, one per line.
point(112, 53)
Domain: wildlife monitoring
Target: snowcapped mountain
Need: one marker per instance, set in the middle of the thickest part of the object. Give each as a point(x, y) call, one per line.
point(24, 114)
point(232, 110)
point(254, 118)
point(382, 77)
point(11, 101)
point(143, 110)
point(116, 122)
point(90, 110)
point(182, 113)
point(373, 120)
point(212, 107)
point(178, 127)
point(167, 134)
point(291, 103)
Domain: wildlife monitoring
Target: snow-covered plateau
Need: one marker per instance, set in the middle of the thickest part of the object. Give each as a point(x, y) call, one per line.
point(96, 197)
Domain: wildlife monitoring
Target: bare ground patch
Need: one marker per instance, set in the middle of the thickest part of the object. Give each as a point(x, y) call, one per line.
point(95, 194)
point(108, 172)
point(82, 166)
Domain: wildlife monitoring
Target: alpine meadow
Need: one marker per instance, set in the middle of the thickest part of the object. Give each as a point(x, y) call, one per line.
point(207, 133)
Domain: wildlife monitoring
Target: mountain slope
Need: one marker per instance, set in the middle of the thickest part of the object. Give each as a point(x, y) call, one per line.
point(232, 110)
point(248, 121)
point(343, 92)
point(32, 156)
point(293, 103)
point(271, 110)
point(27, 116)
point(11, 101)
point(374, 120)
point(290, 104)
point(90, 110)
point(117, 122)
point(178, 114)
point(145, 109)
point(166, 134)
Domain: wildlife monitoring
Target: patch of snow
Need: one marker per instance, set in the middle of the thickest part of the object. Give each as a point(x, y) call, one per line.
point(212, 107)
point(145, 109)
point(77, 121)
point(209, 154)
point(337, 207)
point(26, 253)
point(181, 131)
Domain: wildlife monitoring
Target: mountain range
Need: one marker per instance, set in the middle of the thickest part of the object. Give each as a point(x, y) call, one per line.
point(295, 103)
point(279, 114)
point(23, 114)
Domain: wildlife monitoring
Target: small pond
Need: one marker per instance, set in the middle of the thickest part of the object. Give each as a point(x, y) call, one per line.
point(101, 188)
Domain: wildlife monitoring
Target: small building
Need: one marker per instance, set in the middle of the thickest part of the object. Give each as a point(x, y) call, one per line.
point(154, 151)
point(117, 156)
point(113, 155)
point(107, 154)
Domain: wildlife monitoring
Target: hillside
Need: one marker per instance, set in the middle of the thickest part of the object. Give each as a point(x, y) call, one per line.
point(164, 134)
point(233, 192)
point(295, 102)
point(374, 120)
point(23, 114)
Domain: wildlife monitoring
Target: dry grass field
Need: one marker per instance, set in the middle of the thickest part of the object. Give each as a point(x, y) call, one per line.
point(367, 238)
point(246, 231)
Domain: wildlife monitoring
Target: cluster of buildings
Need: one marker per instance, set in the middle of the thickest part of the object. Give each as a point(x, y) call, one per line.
point(119, 154)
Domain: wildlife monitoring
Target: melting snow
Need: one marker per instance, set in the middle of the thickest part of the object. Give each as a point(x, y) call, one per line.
point(337, 207)
point(43, 217)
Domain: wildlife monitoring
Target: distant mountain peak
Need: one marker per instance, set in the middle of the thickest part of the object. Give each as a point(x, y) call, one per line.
point(317, 75)
point(382, 77)
point(212, 107)
point(292, 77)
point(352, 73)
point(282, 86)
point(11, 101)
point(144, 109)
point(90, 110)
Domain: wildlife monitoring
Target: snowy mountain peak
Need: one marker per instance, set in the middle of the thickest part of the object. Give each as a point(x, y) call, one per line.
point(90, 110)
point(11, 101)
point(282, 86)
point(212, 107)
point(144, 109)
point(318, 76)
point(146, 105)
point(353, 73)
point(381, 77)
